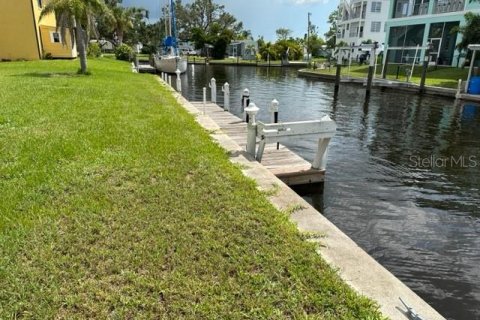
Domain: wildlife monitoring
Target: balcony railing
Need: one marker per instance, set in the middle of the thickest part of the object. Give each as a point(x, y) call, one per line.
point(448, 6)
point(404, 9)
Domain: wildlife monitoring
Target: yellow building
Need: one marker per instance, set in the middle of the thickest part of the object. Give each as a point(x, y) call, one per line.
point(23, 36)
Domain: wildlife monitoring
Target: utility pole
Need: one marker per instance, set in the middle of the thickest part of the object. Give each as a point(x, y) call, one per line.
point(308, 37)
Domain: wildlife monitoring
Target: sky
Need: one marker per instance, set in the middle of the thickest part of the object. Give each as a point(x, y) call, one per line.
point(263, 17)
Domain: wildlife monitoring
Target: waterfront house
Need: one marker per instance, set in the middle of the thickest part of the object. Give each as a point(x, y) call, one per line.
point(420, 22)
point(246, 49)
point(24, 37)
point(360, 21)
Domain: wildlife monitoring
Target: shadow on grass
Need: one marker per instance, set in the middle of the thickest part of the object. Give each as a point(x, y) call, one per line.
point(49, 74)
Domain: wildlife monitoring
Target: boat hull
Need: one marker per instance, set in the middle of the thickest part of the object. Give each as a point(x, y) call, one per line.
point(170, 64)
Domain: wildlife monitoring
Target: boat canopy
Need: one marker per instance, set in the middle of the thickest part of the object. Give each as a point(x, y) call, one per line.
point(170, 41)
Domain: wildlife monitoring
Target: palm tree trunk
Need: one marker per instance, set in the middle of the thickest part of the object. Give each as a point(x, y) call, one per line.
point(82, 54)
point(120, 36)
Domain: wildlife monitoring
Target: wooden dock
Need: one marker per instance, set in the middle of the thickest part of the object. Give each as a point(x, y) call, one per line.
point(146, 68)
point(284, 163)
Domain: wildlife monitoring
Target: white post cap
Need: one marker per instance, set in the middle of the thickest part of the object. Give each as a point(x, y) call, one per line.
point(274, 106)
point(252, 111)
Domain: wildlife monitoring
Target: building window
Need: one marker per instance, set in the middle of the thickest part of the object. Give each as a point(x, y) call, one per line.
point(376, 6)
point(402, 42)
point(376, 26)
point(55, 37)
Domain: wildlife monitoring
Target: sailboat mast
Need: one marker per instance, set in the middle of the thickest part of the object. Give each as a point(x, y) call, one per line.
point(173, 23)
point(169, 21)
point(165, 17)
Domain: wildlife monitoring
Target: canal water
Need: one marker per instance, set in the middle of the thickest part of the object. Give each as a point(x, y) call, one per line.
point(403, 174)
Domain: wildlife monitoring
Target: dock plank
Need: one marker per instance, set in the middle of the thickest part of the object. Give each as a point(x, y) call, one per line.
point(284, 163)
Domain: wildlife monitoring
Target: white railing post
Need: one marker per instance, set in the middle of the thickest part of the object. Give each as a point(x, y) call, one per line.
point(179, 81)
point(274, 112)
point(320, 161)
point(170, 80)
point(213, 87)
point(245, 103)
point(226, 96)
point(252, 110)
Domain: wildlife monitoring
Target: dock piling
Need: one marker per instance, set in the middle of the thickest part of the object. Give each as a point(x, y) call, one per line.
point(371, 68)
point(339, 71)
point(426, 60)
point(274, 111)
point(459, 89)
point(179, 81)
point(213, 87)
point(245, 103)
point(170, 80)
point(226, 96)
point(252, 111)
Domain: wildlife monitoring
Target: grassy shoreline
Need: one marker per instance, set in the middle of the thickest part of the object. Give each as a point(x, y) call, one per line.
point(116, 204)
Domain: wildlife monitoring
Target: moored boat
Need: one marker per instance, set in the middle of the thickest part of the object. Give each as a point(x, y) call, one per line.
point(170, 60)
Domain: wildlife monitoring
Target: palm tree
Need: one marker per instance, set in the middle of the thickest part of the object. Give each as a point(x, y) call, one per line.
point(122, 21)
point(77, 16)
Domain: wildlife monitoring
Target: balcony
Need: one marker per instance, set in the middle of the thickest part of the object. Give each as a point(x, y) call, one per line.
point(357, 15)
point(444, 6)
point(408, 9)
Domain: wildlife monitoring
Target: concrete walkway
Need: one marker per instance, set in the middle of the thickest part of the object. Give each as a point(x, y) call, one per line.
point(354, 265)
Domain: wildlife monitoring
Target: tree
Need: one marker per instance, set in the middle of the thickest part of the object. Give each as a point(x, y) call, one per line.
point(267, 50)
point(132, 34)
point(122, 24)
point(283, 33)
point(331, 34)
point(205, 22)
point(77, 16)
point(204, 14)
point(470, 31)
point(315, 42)
point(122, 21)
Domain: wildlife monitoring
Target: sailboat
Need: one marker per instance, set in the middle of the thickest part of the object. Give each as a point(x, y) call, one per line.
point(170, 60)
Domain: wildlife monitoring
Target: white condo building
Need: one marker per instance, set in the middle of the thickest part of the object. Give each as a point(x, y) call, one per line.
point(361, 20)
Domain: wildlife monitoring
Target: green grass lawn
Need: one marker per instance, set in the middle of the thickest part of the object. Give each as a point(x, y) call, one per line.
point(446, 77)
point(116, 204)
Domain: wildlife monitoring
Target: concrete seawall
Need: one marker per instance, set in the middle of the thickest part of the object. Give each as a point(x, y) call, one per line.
point(384, 84)
point(354, 265)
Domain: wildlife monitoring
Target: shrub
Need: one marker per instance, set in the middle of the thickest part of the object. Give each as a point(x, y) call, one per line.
point(124, 52)
point(94, 50)
point(149, 49)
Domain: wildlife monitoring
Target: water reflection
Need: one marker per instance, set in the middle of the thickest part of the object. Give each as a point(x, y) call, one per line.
point(400, 181)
